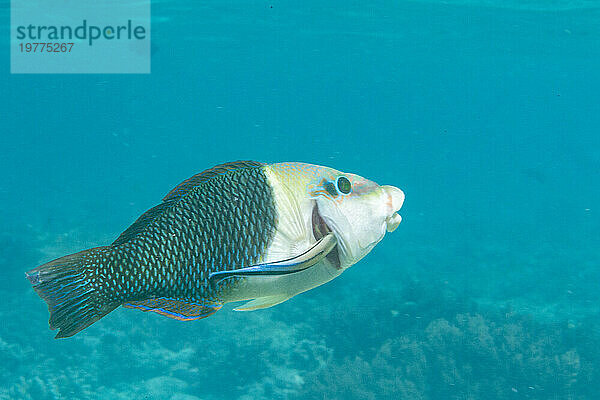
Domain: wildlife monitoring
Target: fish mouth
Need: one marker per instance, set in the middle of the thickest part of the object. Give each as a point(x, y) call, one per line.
point(320, 229)
point(395, 200)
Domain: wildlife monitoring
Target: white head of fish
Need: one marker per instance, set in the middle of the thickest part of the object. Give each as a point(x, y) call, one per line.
point(356, 210)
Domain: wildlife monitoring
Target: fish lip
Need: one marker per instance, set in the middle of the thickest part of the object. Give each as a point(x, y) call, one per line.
point(395, 198)
point(320, 229)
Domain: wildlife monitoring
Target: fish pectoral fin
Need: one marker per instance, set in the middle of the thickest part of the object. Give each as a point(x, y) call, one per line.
point(262, 302)
point(174, 308)
point(289, 266)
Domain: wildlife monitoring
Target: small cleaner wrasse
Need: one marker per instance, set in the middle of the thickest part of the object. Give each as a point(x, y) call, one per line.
point(239, 231)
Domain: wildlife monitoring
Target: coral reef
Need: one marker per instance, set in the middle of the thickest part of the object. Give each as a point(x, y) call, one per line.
point(434, 336)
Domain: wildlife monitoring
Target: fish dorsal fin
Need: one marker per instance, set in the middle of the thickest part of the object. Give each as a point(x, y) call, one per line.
point(142, 222)
point(173, 308)
point(177, 193)
point(186, 186)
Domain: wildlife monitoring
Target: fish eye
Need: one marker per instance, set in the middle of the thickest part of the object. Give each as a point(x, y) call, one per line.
point(344, 185)
point(330, 188)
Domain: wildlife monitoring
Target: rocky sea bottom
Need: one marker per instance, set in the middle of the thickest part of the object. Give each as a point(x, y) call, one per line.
point(483, 321)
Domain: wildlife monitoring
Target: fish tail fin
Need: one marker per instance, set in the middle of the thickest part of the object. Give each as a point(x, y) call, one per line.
point(67, 286)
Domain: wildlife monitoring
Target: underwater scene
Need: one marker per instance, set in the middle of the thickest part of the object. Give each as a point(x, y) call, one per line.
point(477, 119)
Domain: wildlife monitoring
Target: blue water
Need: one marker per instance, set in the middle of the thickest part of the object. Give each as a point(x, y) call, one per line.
point(487, 115)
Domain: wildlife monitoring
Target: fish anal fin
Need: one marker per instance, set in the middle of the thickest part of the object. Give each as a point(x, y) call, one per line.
point(174, 308)
point(262, 302)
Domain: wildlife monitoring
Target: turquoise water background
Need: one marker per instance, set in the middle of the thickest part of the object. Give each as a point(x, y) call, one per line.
point(485, 113)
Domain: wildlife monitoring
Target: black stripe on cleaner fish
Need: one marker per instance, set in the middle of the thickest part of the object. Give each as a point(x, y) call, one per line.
point(239, 231)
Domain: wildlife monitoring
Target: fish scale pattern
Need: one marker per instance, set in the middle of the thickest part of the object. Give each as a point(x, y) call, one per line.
point(221, 219)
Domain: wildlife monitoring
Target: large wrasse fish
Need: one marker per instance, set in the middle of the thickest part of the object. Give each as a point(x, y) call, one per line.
point(239, 231)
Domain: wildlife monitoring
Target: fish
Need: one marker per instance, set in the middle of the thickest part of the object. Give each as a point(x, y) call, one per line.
point(240, 231)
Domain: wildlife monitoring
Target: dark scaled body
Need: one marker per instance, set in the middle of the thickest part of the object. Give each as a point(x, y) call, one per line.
point(221, 219)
